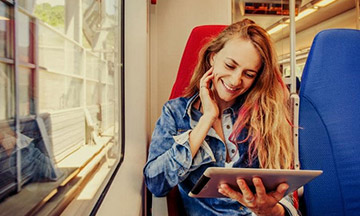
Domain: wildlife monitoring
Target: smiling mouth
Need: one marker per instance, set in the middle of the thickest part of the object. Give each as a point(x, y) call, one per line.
point(228, 87)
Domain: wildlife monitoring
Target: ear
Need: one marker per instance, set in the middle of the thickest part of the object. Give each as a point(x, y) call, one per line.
point(212, 58)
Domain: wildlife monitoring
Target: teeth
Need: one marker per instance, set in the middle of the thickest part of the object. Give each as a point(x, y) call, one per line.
point(228, 87)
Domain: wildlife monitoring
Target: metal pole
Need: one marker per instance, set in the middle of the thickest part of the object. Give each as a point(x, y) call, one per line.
point(294, 96)
point(17, 100)
point(36, 62)
point(292, 47)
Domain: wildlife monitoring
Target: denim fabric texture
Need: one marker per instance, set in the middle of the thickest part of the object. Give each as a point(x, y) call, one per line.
point(170, 162)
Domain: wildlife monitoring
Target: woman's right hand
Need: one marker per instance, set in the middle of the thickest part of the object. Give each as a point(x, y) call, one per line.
point(210, 112)
point(209, 105)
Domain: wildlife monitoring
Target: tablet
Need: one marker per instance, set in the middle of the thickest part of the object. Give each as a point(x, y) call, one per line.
point(207, 185)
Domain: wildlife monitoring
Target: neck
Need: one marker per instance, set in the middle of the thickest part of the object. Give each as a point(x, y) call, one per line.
point(222, 104)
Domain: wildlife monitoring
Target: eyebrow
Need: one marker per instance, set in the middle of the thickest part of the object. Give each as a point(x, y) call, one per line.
point(233, 61)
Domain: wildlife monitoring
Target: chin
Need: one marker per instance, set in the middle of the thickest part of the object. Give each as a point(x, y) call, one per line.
point(227, 99)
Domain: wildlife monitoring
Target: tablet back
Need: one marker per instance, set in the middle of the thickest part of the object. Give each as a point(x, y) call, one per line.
point(208, 184)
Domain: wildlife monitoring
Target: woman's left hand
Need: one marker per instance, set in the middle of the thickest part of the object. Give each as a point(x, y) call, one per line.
point(261, 203)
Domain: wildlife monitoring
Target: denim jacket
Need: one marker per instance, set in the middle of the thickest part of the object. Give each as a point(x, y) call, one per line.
point(170, 162)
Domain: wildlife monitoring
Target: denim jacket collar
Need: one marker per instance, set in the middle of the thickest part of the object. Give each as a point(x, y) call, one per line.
point(189, 104)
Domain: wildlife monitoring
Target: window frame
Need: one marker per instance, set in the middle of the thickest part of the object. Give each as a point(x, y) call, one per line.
point(121, 116)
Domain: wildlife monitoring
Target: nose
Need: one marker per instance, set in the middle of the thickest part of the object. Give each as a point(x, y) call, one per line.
point(237, 78)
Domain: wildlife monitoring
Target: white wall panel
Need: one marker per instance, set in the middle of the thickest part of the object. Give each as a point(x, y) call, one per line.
point(171, 22)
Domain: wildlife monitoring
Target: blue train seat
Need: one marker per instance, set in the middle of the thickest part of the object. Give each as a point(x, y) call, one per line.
point(329, 120)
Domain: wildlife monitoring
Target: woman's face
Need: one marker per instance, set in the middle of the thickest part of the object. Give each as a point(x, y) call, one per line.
point(236, 66)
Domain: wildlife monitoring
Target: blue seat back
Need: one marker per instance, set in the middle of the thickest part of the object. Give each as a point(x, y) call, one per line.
point(329, 138)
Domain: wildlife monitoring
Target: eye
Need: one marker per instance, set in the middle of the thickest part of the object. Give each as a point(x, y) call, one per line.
point(229, 66)
point(250, 75)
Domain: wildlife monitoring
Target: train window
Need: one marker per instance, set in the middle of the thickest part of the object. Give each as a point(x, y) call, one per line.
point(7, 110)
point(60, 103)
point(4, 30)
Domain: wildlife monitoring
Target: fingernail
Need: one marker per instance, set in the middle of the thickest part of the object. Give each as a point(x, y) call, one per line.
point(285, 187)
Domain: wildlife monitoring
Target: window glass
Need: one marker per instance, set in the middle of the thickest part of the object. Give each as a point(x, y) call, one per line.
point(59, 92)
point(26, 98)
point(51, 96)
point(4, 30)
point(93, 65)
point(51, 49)
point(74, 58)
point(7, 96)
point(50, 12)
point(299, 67)
point(62, 126)
point(24, 29)
point(93, 93)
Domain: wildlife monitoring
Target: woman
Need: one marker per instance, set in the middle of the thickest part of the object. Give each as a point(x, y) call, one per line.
point(234, 114)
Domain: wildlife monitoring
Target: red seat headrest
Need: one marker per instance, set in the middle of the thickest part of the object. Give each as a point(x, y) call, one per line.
point(198, 38)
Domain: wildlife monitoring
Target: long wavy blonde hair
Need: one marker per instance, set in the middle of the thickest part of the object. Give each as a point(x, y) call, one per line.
point(265, 111)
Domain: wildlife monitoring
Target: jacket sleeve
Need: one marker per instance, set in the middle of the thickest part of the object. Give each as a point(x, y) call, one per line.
point(170, 161)
point(288, 204)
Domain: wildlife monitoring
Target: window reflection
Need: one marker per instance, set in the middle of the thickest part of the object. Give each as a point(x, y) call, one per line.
point(7, 169)
point(65, 112)
point(51, 49)
point(7, 109)
point(26, 92)
point(24, 41)
point(4, 30)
